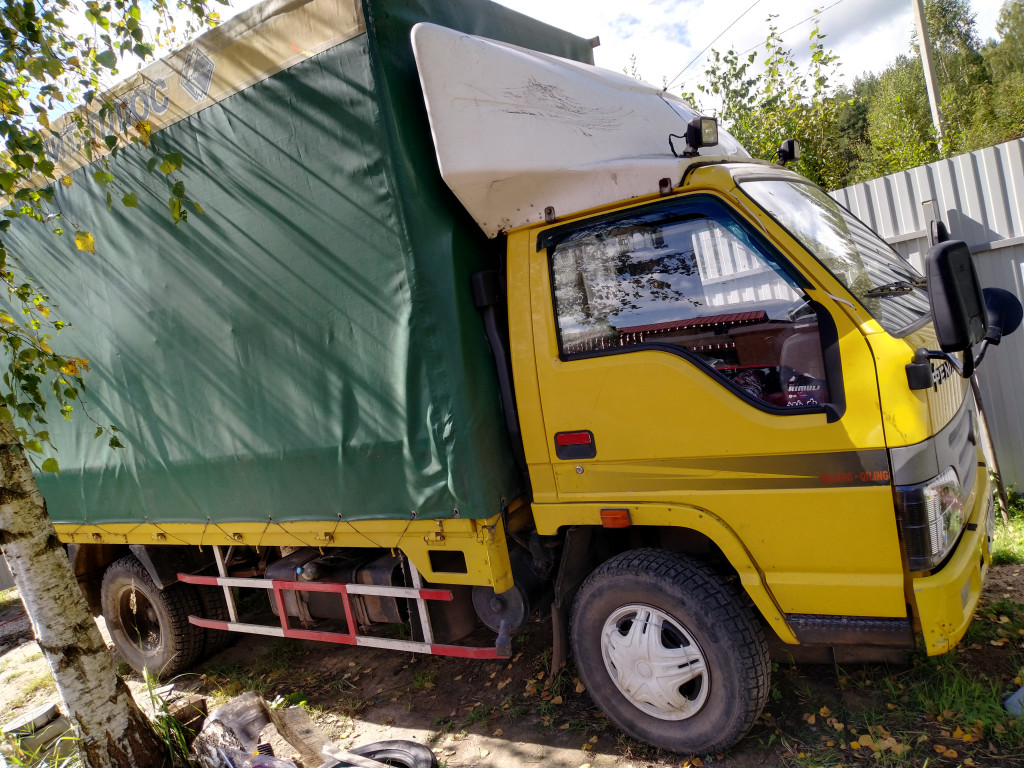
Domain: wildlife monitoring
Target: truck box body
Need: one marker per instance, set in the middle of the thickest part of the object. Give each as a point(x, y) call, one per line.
point(307, 349)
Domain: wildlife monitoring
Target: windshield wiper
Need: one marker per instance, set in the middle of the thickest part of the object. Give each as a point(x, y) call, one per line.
point(897, 288)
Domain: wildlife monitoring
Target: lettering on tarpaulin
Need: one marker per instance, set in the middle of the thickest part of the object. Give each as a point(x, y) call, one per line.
point(141, 103)
point(197, 74)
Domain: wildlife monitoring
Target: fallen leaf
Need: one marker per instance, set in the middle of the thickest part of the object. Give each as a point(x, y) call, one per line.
point(854, 745)
point(556, 700)
point(503, 683)
point(833, 722)
point(824, 711)
point(484, 752)
point(580, 688)
point(593, 739)
point(498, 733)
point(564, 727)
point(940, 748)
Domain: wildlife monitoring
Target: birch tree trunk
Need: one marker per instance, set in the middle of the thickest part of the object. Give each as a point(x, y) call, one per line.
point(113, 731)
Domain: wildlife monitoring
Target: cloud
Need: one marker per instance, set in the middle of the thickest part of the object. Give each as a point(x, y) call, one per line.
point(677, 33)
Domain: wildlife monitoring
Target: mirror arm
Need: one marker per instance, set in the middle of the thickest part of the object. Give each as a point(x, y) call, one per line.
point(919, 371)
point(981, 351)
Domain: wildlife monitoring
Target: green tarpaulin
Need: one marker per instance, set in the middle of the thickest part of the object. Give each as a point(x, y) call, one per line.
point(308, 347)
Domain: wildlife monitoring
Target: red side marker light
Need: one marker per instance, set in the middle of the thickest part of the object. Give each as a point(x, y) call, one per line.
point(616, 518)
point(573, 438)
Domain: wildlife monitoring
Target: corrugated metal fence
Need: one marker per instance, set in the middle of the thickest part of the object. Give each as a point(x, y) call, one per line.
point(980, 198)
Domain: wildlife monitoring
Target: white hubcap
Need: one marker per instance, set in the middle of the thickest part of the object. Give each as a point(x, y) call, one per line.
point(655, 663)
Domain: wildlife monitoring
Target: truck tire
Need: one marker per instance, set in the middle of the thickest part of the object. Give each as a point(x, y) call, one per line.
point(398, 754)
point(149, 626)
point(699, 681)
point(214, 606)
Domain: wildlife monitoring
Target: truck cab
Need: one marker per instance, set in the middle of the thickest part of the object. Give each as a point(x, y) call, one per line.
point(723, 378)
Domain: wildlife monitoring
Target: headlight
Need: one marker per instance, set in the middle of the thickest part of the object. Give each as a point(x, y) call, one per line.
point(931, 517)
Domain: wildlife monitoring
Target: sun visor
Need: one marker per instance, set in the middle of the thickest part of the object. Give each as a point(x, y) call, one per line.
point(517, 131)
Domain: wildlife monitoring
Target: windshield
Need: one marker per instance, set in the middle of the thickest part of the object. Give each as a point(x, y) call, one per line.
point(887, 286)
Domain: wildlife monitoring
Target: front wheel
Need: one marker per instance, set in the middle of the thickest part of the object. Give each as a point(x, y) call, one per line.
point(670, 651)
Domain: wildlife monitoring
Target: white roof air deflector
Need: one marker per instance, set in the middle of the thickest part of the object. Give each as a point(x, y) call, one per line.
point(516, 131)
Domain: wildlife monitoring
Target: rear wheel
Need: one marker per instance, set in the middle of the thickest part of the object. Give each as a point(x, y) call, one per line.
point(670, 651)
point(149, 626)
point(214, 606)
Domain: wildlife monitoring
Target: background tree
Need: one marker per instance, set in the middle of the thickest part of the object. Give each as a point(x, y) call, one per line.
point(762, 104)
point(46, 65)
point(882, 124)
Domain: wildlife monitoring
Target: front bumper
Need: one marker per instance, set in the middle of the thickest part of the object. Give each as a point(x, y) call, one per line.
point(945, 601)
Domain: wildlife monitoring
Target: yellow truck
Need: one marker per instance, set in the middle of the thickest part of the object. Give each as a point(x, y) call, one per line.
point(470, 331)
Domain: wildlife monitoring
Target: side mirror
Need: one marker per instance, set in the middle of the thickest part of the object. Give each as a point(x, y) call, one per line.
point(1004, 313)
point(957, 303)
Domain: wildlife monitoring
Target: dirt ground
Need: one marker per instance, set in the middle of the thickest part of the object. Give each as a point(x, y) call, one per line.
point(510, 713)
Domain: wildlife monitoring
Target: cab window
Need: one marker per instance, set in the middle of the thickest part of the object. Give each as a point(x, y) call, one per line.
point(696, 285)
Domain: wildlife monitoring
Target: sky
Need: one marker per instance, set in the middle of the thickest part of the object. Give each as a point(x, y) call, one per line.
point(665, 35)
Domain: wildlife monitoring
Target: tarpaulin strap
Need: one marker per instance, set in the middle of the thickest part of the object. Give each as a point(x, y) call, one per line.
point(263, 532)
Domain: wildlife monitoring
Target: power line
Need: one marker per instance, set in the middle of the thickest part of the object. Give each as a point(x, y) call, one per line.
point(754, 47)
point(669, 85)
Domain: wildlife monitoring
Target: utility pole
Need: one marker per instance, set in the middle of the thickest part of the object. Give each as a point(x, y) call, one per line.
point(925, 45)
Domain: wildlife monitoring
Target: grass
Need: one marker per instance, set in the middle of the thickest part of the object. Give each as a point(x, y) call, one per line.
point(423, 680)
point(36, 685)
point(9, 597)
point(263, 675)
point(1008, 547)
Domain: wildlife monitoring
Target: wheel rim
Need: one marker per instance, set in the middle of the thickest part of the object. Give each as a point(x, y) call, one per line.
point(139, 620)
point(654, 662)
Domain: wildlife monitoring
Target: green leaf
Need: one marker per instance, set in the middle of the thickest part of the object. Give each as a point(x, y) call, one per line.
point(178, 190)
point(99, 431)
point(103, 178)
point(115, 443)
point(172, 162)
point(130, 200)
point(151, 165)
point(33, 445)
point(175, 206)
point(50, 465)
point(107, 59)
